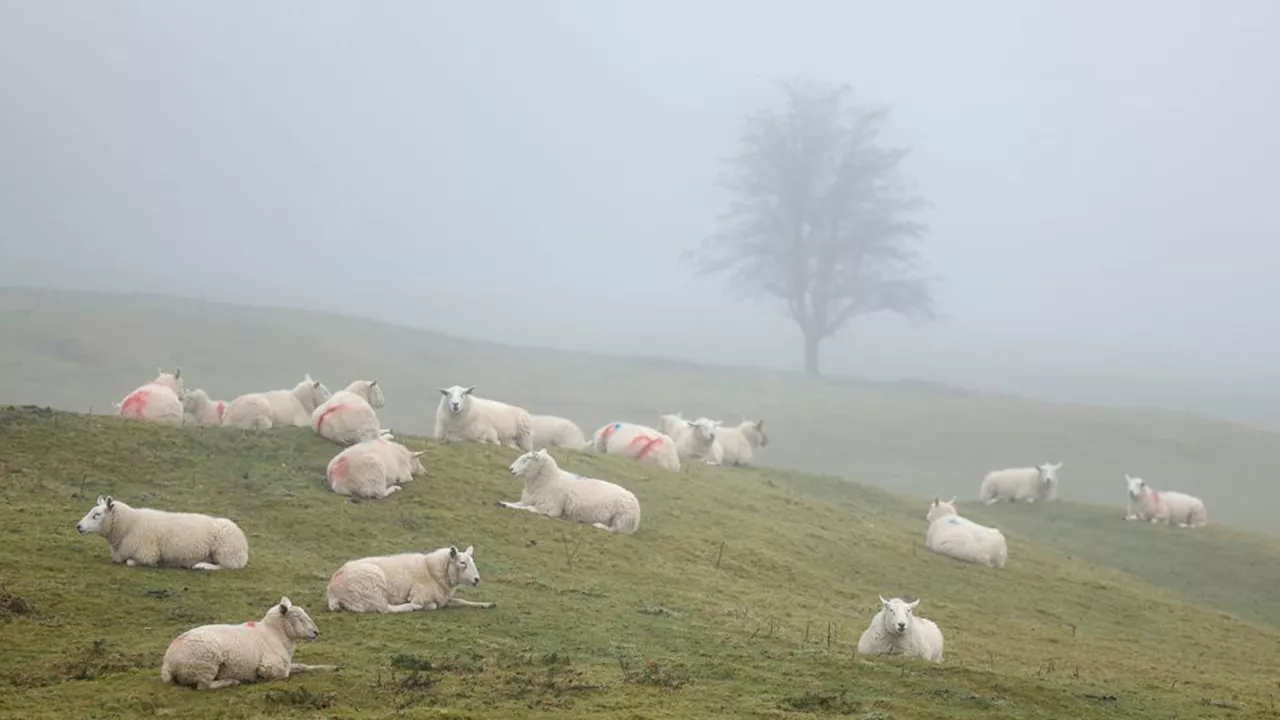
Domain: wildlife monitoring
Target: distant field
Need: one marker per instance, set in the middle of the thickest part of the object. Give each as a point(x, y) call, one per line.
point(78, 351)
point(742, 596)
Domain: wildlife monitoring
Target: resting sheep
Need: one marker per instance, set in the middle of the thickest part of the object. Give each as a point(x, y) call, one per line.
point(373, 469)
point(203, 411)
point(405, 582)
point(737, 443)
point(277, 408)
point(896, 630)
point(963, 539)
point(348, 416)
point(641, 443)
point(217, 656)
point(698, 441)
point(553, 492)
point(673, 425)
point(462, 416)
point(1026, 484)
point(158, 538)
point(156, 401)
point(551, 431)
point(1146, 503)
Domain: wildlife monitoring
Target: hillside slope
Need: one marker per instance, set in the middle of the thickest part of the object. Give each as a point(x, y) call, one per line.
point(742, 595)
point(77, 351)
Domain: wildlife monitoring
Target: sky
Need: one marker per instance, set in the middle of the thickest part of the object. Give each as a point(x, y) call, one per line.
point(1102, 175)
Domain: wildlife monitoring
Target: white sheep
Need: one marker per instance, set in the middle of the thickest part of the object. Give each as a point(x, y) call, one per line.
point(373, 468)
point(737, 443)
point(405, 582)
point(551, 431)
point(159, 538)
point(551, 491)
point(348, 416)
point(1026, 484)
point(639, 442)
point(698, 441)
point(463, 416)
point(210, 657)
point(963, 539)
point(277, 408)
point(673, 425)
point(1146, 503)
point(156, 401)
point(896, 630)
point(202, 409)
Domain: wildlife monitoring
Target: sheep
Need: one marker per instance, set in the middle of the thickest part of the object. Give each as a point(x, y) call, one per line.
point(639, 442)
point(551, 431)
point(159, 538)
point(204, 411)
point(963, 539)
point(1027, 484)
point(405, 582)
point(373, 468)
point(211, 657)
point(553, 492)
point(463, 416)
point(698, 441)
point(348, 416)
point(737, 442)
point(673, 425)
point(156, 401)
point(1146, 503)
point(277, 408)
point(896, 630)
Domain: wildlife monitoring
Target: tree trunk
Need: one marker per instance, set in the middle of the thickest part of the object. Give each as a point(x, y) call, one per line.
point(811, 340)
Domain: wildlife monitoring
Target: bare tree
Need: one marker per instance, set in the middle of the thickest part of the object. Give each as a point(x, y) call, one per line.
point(819, 218)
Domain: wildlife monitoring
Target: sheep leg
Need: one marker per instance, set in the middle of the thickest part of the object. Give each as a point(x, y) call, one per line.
point(295, 668)
point(206, 566)
point(602, 526)
point(991, 501)
point(387, 491)
point(216, 684)
point(517, 506)
point(405, 607)
point(457, 602)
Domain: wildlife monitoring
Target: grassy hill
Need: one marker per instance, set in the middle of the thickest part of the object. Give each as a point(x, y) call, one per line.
point(742, 595)
point(77, 351)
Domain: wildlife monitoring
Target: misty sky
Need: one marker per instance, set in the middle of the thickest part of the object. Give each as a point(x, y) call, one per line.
point(1103, 174)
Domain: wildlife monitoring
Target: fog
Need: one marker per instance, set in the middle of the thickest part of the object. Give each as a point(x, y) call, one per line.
point(1102, 175)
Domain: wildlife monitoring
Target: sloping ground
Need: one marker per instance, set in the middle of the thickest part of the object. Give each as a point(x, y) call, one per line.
point(742, 595)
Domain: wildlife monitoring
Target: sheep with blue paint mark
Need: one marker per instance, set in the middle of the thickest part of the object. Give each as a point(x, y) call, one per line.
point(551, 491)
point(962, 539)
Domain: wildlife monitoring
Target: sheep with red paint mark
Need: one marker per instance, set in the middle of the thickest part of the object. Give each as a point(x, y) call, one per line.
point(551, 491)
point(461, 416)
point(156, 401)
point(639, 442)
point(350, 415)
point(277, 408)
point(160, 538)
point(204, 411)
point(552, 431)
point(1164, 506)
point(373, 469)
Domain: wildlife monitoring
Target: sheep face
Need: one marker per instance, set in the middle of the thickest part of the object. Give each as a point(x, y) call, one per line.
point(897, 615)
point(193, 400)
point(754, 432)
point(529, 461)
point(96, 519)
point(171, 380)
point(458, 397)
point(704, 427)
point(297, 623)
point(1137, 486)
point(941, 508)
point(415, 463)
point(376, 398)
point(1049, 473)
point(464, 565)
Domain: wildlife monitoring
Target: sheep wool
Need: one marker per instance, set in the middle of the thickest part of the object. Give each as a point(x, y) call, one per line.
point(897, 630)
point(698, 442)
point(549, 490)
point(551, 431)
point(204, 411)
point(158, 538)
point(156, 401)
point(963, 539)
point(1166, 506)
point(405, 582)
point(738, 443)
point(373, 469)
point(639, 442)
point(462, 416)
point(277, 408)
point(349, 416)
point(1025, 484)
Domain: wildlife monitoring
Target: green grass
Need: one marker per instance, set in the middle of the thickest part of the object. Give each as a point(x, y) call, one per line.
point(742, 595)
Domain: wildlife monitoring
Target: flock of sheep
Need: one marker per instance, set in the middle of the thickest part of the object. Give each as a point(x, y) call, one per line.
point(372, 465)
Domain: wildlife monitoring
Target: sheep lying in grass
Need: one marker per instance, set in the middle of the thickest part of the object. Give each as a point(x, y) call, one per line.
point(277, 408)
point(156, 401)
point(1026, 484)
point(641, 443)
point(158, 538)
point(550, 491)
point(348, 416)
point(217, 656)
point(673, 425)
point(737, 443)
point(203, 411)
point(551, 431)
point(1146, 503)
point(896, 630)
point(373, 469)
point(463, 416)
point(698, 441)
point(405, 582)
point(963, 539)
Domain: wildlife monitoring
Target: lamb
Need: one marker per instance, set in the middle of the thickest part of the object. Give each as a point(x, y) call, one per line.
point(737, 443)
point(277, 408)
point(156, 401)
point(218, 656)
point(896, 630)
point(551, 431)
point(1027, 484)
point(158, 538)
point(1146, 503)
point(963, 539)
point(348, 415)
point(639, 442)
point(462, 416)
point(698, 441)
point(373, 468)
point(405, 582)
point(550, 491)
point(203, 411)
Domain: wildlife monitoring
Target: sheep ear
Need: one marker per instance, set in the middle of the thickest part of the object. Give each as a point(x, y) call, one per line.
point(306, 377)
point(912, 605)
point(470, 549)
point(101, 500)
point(469, 390)
point(952, 501)
point(285, 605)
point(373, 383)
point(177, 371)
point(883, 601)
point(443, 391)
point(935, 501)
point(453, 551)
point(759, 424)
point(111, 503)
point(159, 370)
